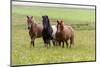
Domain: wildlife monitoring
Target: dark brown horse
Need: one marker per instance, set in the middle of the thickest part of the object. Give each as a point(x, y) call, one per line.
point(64, 33)
point(35, 31)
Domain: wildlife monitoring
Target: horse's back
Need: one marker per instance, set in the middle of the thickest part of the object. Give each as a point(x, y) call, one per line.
point(39, 31)
point(68, 30)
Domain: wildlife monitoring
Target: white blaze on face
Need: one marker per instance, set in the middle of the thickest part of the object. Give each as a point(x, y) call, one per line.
point(29, 25)
point(54, 30)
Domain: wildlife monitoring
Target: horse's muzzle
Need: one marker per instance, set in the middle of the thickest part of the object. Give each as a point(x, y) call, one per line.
point(28, 28)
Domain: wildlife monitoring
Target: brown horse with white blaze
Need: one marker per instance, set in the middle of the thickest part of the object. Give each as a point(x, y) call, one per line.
point(35, 31)
point(64, 33)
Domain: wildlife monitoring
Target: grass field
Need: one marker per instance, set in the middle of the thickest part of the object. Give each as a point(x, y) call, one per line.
point(84, 49)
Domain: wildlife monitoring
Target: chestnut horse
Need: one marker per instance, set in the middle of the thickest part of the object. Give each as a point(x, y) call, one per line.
point(64, 33)
point(35, 31)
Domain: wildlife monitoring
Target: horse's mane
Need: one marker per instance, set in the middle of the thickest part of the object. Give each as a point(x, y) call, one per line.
point(47, 29)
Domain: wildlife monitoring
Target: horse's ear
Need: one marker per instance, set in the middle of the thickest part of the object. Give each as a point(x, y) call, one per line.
point(47, 16)
point(62, 22)
point(27, 17)
point(58, 21)
point(31, 17)
point(42, 16)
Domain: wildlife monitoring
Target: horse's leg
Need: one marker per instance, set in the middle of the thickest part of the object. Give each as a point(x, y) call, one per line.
point(66, 44)
point(49, 43)
point(45, 44)
point(53, 41)
point(33, 43)
point(30, 43)
point(59, 43)
point(62, 44)
point(56, 42)
point(31, 36)
point(71, 41)
point(33, 39)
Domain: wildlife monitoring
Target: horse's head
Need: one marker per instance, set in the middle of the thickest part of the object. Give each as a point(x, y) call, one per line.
point(29, 21)
point(45, 21)
point(60, 25)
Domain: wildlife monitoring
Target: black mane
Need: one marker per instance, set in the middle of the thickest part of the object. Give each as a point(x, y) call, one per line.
point(47, 30)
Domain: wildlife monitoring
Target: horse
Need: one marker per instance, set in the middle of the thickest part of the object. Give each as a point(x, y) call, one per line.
point(54, 35)
point(35, 31)
point(64, 33)
point(47, 31)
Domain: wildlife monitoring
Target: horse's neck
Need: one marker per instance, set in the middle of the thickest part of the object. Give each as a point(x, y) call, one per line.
point(49, 26)
point(62, 28)
point(33, 26)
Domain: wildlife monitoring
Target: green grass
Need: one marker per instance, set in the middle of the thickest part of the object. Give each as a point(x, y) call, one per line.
point(22, 54)
point(84, 47)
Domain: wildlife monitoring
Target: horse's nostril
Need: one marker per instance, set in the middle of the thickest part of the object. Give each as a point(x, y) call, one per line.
point(28, 27)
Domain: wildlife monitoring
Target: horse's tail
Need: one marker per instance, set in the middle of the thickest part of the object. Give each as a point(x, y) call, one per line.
point(72, 40)
point(72, 37)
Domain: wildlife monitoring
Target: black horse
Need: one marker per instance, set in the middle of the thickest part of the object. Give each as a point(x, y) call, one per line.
point(47, 31)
